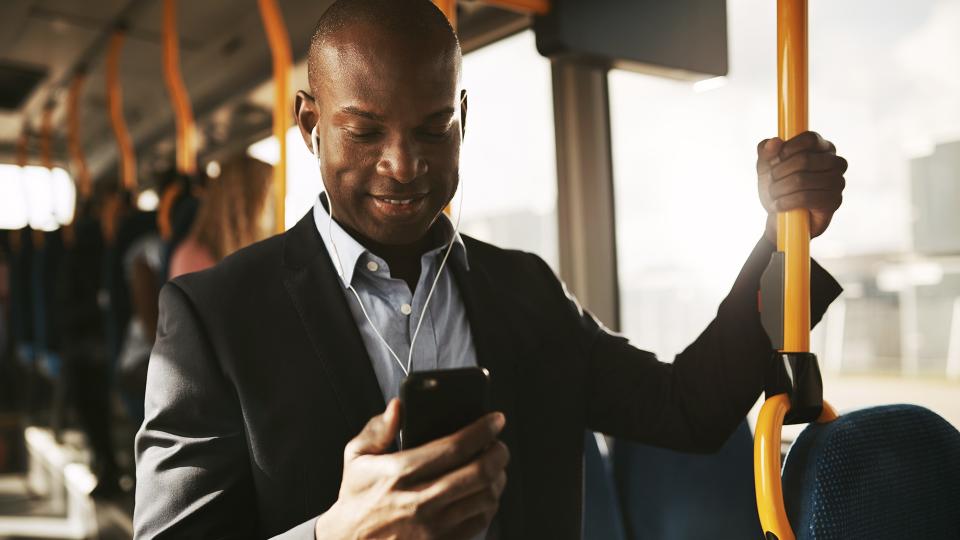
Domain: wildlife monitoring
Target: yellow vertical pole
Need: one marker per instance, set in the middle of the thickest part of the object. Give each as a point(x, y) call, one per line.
point(46, 136)
point(82, 174)
point(793, 227)
point(793, 239)
point(186, 136)
point(279, 41)
point(449, 8)
point(22, 144)
point(128, 160)
point(535, 7)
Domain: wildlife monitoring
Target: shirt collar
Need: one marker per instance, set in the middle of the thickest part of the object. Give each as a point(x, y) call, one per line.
point(352, 253)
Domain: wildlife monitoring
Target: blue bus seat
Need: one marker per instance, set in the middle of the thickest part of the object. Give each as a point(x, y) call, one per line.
point(881, 473)
point(602, 517)
point(668, 495)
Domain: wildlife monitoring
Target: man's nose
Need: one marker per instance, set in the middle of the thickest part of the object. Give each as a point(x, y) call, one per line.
point(402, 161)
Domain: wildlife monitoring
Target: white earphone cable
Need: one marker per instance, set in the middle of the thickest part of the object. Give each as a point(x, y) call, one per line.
point(456, 229)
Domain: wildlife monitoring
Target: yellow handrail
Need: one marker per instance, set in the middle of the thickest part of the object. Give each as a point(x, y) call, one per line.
point(449, 8)
point(22, 144)
point(793, 239)
point(766, 464)
point(793, 227)
point(128, 160)
point(46, 136)
point(82, 175)
point(279, 41)
point(534, 7)
point(183, 113)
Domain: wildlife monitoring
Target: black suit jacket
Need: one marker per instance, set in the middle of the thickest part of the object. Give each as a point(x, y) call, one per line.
point(259, 378)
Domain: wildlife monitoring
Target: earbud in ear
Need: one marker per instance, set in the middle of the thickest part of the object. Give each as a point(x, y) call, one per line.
point(314, 141)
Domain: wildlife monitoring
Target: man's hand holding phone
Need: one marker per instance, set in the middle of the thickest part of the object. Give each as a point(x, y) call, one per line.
point(447, 488)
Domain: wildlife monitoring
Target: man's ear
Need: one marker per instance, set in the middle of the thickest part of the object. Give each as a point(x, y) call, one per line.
point(305, 111)
point(463, 114)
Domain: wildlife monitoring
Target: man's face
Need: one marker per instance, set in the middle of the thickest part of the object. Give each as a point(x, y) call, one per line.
point(388, 117)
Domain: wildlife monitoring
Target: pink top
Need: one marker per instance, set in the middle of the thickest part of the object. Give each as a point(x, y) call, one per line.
point(190, 256)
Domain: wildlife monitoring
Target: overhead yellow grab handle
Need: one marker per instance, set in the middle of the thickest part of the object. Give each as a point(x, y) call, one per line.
point(186, 138)
point(81, 173)
point(128, 160)
point(279, 41)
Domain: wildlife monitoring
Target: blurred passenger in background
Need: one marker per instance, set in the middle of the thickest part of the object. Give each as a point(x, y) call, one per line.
point(179, 203)
point(86, 368)
point(234, 213)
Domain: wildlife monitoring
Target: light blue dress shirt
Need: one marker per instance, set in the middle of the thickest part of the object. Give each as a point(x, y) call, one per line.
point(444, 341)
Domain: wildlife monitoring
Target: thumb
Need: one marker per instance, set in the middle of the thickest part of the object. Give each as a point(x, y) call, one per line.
point(378, 434)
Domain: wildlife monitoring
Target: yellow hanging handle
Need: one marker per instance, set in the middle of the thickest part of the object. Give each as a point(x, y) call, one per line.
point(128, 159)
point(76, 149)
point(280, 52)
point(186, 136)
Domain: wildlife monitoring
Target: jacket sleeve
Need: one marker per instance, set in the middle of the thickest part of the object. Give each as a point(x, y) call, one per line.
point(696, 402)
point(193, 471)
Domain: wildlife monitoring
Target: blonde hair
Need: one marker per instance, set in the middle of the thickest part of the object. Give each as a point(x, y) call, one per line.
point(232, 211)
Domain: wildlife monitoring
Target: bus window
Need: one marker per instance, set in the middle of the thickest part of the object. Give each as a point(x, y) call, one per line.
point(511, 200)
point(42, 197)
point(884, 86)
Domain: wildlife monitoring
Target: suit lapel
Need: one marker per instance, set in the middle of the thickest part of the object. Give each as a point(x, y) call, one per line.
point(315, 289)
point(497, 352)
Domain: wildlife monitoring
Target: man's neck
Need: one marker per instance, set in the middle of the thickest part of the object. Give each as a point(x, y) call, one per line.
point(403, 259)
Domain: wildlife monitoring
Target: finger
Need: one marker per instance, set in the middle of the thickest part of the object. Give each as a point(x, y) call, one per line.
point(808, 162)
point(808, 140)
point(377, 435)
point(469, 528)
point(807, 181)
point(476, 476)
point(447, 453)
point(478, 503)
point(766, 151)
point(821, 201)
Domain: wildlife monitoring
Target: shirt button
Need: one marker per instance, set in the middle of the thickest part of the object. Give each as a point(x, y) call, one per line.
point(406, 309)
point(373, 266)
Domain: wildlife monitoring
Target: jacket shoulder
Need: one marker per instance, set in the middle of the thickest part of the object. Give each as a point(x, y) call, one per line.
point(505, 263)
point(248, 270)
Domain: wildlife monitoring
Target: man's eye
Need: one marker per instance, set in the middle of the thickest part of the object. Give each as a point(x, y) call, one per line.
point(436, 134)
point(360, 134)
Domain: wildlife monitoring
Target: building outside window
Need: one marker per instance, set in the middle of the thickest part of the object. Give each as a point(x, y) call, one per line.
point(885, 87)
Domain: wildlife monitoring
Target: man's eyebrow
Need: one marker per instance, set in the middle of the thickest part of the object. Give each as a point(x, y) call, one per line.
point(356, 111)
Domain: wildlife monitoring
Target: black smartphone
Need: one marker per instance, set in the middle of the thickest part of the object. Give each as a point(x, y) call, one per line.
point(436, 403)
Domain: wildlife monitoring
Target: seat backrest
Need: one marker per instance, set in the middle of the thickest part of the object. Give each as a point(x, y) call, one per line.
point(886, 472)
point(668, 495)
point(602, 517)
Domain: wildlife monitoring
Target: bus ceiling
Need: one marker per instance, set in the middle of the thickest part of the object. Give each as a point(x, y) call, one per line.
point(224, 57)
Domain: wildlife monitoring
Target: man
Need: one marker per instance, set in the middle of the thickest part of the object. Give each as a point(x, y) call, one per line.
point(268, 382)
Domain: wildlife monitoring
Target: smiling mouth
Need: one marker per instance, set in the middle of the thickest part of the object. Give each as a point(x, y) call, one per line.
point(400, 201)
point(402, 207)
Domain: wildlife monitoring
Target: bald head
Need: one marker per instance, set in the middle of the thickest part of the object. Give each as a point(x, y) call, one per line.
point(392, 25)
